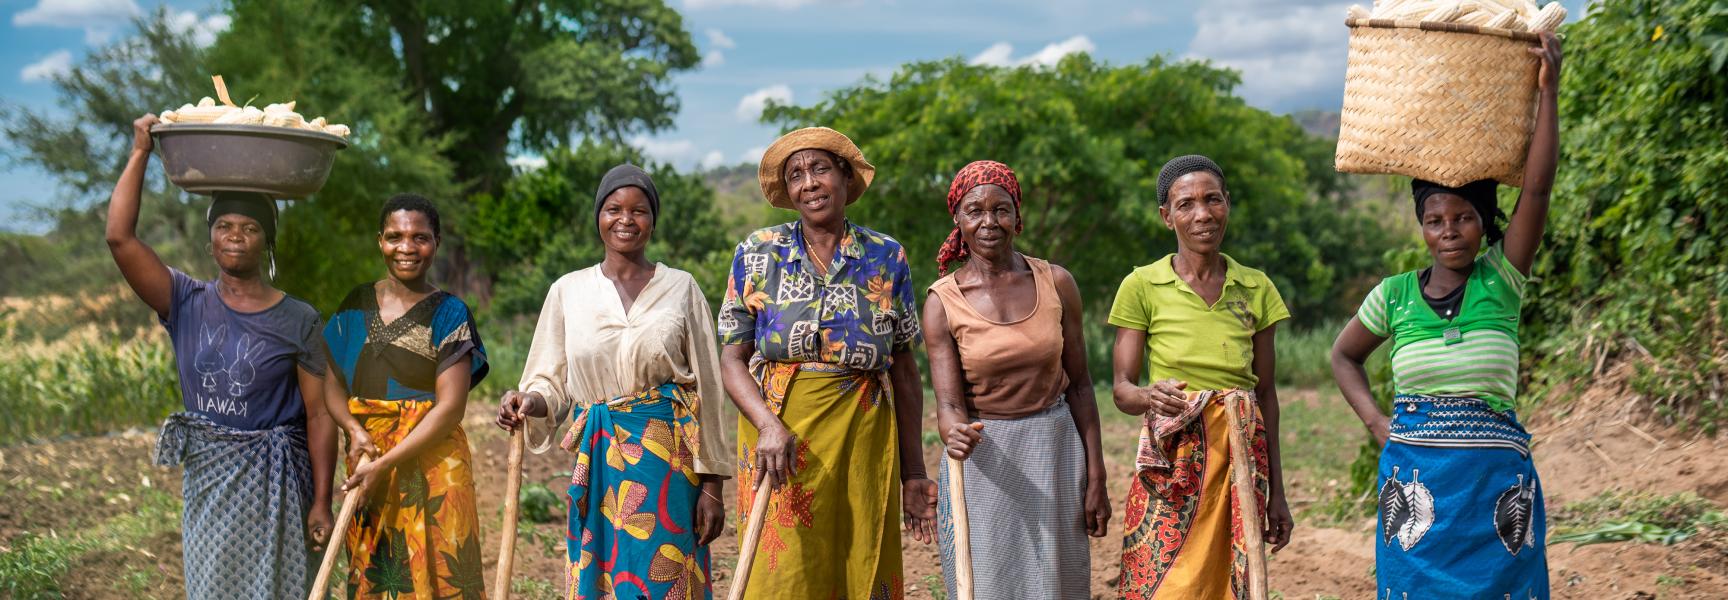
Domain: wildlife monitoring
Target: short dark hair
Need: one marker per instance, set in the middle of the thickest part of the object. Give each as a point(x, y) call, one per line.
point(412, 203)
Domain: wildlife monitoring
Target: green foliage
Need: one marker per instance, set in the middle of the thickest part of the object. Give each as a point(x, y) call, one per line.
point(34, 565)
point(87, 388)
point(1633, 265)
point(1305, 355)
point(540, 505)
point(1643, 517)
point(1086, 140)
point(543, 226)
point(480, 77)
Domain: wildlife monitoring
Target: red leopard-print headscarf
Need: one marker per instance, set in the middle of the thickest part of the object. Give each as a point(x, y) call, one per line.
point(973, 175)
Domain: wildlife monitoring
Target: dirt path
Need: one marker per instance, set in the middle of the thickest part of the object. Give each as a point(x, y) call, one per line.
point(106, 484)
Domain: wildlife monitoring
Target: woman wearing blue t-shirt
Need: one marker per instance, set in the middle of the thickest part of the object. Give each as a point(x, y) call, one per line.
point(1461, 512)
point(257, 447)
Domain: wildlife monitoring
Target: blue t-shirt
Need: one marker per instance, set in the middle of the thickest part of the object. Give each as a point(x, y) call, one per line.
point(238, 368)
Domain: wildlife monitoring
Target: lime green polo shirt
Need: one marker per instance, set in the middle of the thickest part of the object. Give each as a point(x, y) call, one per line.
point(1210, 347)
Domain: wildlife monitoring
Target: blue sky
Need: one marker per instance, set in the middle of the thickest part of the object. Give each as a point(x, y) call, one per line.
point(1291, 54)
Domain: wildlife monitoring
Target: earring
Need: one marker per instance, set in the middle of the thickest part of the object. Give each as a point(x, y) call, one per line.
point(272, 252)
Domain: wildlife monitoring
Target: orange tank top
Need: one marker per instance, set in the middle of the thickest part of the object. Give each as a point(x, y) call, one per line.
point(1012, 369)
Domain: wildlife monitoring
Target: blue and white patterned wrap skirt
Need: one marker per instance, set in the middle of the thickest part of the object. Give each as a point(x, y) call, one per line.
point(1461, 512)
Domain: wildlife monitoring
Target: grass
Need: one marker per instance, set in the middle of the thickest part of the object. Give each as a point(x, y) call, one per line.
point(36, 564)
point(1614, 516)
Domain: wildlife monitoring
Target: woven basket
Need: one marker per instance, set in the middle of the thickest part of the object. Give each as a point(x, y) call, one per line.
point(1445, 102)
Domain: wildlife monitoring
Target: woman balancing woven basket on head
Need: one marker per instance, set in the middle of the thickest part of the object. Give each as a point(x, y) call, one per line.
point(1461, 513)
point(1014, 401)
point(1205, 324)
point(257, 447)
point(625, 350)
point(403, 357)
point(820, 324)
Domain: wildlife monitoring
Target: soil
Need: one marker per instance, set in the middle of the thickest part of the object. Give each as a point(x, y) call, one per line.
point(1321, 562)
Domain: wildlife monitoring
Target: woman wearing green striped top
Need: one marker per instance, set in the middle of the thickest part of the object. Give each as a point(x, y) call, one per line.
point(1461, 512)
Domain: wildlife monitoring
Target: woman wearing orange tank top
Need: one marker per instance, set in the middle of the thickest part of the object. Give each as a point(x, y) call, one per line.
point(1009, 367)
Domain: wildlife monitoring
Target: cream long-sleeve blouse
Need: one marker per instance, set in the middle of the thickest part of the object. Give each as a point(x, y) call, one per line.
point(587, 349)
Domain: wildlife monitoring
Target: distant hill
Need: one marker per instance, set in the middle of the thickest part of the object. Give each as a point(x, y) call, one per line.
point(1323, 123)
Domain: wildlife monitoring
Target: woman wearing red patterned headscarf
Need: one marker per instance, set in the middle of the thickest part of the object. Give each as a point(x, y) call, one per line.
point(1009, 366)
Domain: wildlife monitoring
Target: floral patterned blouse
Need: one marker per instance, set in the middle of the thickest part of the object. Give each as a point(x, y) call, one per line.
point(856, 316)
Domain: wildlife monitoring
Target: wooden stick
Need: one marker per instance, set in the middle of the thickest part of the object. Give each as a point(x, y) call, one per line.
point(962, 529)
point(337, 536)
point(747, 546)
point(1242, 475)
point(512, 500)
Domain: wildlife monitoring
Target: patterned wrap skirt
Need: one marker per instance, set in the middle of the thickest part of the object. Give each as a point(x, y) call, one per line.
point(1461, 512)
point(417, 534)
point(1027, 510)
point(833, 531)
point(247, 493)
point(633, 493)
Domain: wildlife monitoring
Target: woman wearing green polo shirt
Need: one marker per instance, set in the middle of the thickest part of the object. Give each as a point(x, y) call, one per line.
point(1461, 510)
point(1204, 323)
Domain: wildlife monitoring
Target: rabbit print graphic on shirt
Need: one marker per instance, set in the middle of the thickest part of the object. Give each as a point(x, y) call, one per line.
point(243, 372)
point(208, 361)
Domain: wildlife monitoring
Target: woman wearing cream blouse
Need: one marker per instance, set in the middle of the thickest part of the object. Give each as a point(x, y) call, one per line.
point(625, 350)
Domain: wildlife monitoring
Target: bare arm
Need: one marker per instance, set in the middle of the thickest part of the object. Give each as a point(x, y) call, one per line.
point(1082, 403)
point(1349, 353)
point(1128, 354)
point(1530, 217)
point(948, 378)
point(775, 444)
point(452, 402)
point(908, 414)
point(321, 444)
point(143, 270)
point(1279, 524)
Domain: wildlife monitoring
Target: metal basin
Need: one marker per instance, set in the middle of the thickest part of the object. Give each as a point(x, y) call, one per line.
point(204, 158)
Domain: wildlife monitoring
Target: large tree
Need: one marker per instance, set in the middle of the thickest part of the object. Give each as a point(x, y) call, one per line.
point(1087, 140)
point(484, 77)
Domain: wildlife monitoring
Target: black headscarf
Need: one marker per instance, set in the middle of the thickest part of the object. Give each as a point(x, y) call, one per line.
point(1480, 194)
point(260, 207)
point(1183, 165)
point(623, 176)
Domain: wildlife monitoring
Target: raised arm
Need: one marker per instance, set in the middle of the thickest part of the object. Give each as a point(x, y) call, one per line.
point(1529, 218)
point(143, 270)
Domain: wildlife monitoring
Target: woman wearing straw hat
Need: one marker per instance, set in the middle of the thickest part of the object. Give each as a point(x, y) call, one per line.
point(257, 446)
point(819, 325)
point(1461, 509)
point(1008, 361)
point(625, 351)
point(403, 356)
point(1204, 323)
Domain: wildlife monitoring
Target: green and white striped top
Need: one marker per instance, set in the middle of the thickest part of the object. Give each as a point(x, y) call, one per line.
point(1480, 357)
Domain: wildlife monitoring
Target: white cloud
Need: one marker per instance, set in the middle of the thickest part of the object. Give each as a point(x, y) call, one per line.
point(713, 158)
point(1001, 54)
point(713, 58)
point(527, 162)
point(98, 18)
point(780, 4)
point(57, 63)
point(753, 154)
point(751, 105)
point(1291, 55)
point(718, 38)
point(204, 30)
point(678, 151)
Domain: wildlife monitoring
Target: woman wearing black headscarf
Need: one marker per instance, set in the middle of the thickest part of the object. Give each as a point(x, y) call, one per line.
point(257, 446)
point(625, 350)
point(1460, 506)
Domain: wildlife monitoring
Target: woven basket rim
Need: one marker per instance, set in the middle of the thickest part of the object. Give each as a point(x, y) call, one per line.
point(1522, 36)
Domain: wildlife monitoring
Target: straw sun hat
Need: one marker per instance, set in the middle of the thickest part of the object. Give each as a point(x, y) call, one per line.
point(768, 172)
